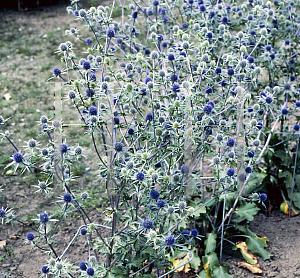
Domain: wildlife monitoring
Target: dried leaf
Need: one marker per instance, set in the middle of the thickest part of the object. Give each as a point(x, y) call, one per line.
point(14, 236)
point(248, 256)
point(253, 268)
point(2, 244)
point(177, 262)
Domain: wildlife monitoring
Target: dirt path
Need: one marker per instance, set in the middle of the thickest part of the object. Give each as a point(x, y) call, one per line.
point(284, 242)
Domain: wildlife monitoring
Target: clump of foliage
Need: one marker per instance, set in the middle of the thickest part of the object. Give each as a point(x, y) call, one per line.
point(181, 100)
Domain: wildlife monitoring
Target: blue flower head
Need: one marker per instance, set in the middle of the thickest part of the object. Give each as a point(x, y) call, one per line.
point(30, 236)
point(93, 111)
point(202, 8)
point(64, 148)
point(250, 59)
point(160, 37)
point(68, 198)
point(284, 111)
point(248, 170)
point(83, 231)
point(208, 90)
point(263, 197)
point(185, 25)
point(176, 87)
point(89, 41)
point(131, 131)
point(268, 48)
point(230, 172)
point(230, 142)
point(140, 176)
point(18, 157)
point(90, 271)
point(174, 77)
point(93, 77)
point(207, 109)
point(154, 194)
point(2, 213)
point(44, 218)
point(134, 14)
point(251, 154)
point(83, 265)
point(185, 234)
point(149, 117)
point(110, 33)
point(296, 127)
point(170, 240)
point(118, 147)
point(194, 233)
point(259, 125)
point(218, 70)
point(230, 71)
point(171, 57)
point(45, 269)
point(161, 203)
point(148, 79)
point(148, 223)
point(56, 72)
point(86, 65)
point(89, 92)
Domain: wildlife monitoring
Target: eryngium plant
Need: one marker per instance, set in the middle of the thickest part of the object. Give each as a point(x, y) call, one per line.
point(180, 99)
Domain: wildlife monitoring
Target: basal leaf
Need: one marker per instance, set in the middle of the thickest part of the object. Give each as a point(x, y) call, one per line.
point(210, 262)
point(288, 178)
point(256, 244)
point(210, 243)
point(248, 256)
point(255, 182)
point(221, 272)
point(246, 212)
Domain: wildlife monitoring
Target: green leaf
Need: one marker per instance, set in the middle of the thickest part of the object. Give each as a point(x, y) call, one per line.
point(221, 272)
point(210, 243)
point(256, 244)
point(286, 159)
point(246, 212)
point(210, 262)
point(196, 262)
point(255, 182)
point(288, 178)
point(202, 274)
point(296, 199)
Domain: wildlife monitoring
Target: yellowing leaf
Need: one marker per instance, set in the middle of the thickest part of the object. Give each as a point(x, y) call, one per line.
point(248, 256)
point(177, 262)
point(284, 207)
point(253, 268)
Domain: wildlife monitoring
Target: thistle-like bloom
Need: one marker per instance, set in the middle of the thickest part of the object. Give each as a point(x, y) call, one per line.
point(140, 176)
point(154, 194)
point(170, 240)
point(110, 33)
point(44, 218)
point(148, 223)
point(263, 197)
point(18, 157)
point(56, 72)
point(230, 172)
